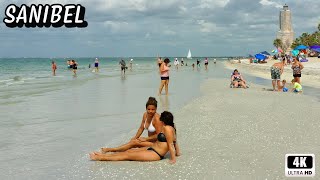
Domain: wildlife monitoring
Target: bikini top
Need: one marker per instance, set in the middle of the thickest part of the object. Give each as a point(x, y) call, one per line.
point(151, 128)
point(162, 138)
point(237, 77)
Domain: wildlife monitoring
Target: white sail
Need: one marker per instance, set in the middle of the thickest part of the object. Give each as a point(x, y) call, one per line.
point(189, 55)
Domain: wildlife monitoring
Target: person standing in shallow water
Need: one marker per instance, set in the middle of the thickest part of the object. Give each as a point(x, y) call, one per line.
point(123, 66)
point(206, 62)
point(164, 75)
point(74, 67)
point(96, 65)
point(54, 68)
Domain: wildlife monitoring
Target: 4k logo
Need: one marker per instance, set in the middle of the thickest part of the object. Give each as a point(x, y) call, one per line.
point(300, 165)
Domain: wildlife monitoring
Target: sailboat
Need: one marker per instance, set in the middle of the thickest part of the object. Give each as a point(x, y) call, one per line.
point(189, 55)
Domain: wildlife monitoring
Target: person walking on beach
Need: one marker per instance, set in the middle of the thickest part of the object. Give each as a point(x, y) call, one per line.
point(150, 122)
point(96, 65)
point(296, 68)
point(276, 71)
point(123, 66)
point(164, 74)
point(54, 68)
point(166, 142)
point(206, 62)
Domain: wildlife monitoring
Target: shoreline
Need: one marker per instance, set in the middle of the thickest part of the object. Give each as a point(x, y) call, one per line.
point(224, 134)
point(310, 74)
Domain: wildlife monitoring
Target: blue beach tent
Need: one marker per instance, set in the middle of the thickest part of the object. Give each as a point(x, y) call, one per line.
point(260, 56)
point(265, 53)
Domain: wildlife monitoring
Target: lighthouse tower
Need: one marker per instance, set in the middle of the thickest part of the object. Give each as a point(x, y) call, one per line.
point(286, 32)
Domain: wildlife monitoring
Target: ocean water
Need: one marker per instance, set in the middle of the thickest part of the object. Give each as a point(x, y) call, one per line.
point(48, 125)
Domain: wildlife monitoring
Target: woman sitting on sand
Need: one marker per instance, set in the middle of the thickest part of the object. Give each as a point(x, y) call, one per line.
point(166, 141)
point(238, 80)
point(150, 122)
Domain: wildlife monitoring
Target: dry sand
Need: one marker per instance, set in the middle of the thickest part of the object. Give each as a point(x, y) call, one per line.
point(232, 134)
point(310, 73)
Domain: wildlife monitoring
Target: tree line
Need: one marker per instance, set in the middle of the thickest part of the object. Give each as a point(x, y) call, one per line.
point(305, 39)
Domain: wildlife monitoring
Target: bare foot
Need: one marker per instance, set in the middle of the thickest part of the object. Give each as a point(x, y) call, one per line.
point(94, 156)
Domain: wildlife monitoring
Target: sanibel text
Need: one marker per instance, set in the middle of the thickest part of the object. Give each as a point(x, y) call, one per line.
point(55, 15)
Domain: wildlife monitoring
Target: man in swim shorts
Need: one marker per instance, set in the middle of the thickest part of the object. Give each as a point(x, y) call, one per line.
point(276, 71)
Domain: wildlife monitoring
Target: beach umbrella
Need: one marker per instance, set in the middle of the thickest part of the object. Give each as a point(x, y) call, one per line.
point(275, 51)
point(315, 47)
point(280, 50)
point(295, 52)
point(260, 56)
point(301, 47)
point(265, 53)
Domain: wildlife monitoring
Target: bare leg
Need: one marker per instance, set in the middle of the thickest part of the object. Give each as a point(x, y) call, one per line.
point(243, 85)
point(161, 86)
point(279, 85)
point(143, 155)
point(274, 84)
point(235, 84)
point(167, 87)
point(129, 145)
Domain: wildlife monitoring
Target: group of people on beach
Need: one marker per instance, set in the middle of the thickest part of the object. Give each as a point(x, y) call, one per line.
point(73, 65)
point(161, 139)
point(277, 70)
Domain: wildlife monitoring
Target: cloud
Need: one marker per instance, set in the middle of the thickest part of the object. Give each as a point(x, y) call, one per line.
point(144, 26)
point(270, 3)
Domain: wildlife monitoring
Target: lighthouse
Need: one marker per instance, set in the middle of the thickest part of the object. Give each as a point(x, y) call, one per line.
point(285, 34)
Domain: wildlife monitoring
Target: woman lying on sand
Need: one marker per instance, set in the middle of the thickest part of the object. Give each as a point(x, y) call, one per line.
point(150, 122)
point(166, 141)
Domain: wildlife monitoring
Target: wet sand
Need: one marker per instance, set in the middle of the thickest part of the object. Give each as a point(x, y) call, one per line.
point(232, 134)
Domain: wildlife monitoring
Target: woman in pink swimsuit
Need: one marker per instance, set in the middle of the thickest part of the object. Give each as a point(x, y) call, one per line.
point(164, 74)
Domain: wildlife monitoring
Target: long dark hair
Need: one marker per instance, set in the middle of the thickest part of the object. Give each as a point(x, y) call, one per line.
point(167, 118)
point(152, 101)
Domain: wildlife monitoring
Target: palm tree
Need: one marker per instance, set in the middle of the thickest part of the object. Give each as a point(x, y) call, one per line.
point(319, 27)
point(278, 43)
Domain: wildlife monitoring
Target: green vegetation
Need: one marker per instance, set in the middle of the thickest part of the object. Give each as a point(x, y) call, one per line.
point(278, 43)
point(308, 39)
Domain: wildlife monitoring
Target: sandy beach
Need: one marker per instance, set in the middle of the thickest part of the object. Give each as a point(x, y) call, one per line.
point(310, 73)
point(232, 134)
point(224, 133)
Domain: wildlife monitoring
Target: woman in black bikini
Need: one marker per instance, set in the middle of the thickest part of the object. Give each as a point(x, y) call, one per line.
point(166, 141)
point(296, 68)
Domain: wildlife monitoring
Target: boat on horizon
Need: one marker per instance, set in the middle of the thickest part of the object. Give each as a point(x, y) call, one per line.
point(189, 55)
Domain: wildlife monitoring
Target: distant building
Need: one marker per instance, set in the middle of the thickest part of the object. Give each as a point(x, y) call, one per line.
point(285, 33)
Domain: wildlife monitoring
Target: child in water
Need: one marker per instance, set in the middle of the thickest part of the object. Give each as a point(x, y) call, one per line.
point(297, 88)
